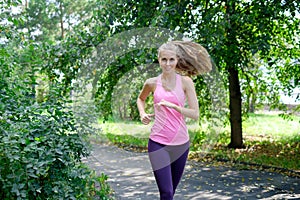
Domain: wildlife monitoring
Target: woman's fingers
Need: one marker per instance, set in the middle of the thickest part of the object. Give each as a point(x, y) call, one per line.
point(166, 103)
point(146, 119)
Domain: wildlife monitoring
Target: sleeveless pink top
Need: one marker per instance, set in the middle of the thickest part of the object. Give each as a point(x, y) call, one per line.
point(169, 126)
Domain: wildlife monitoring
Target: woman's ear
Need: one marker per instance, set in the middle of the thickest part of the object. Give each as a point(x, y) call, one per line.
point(159, 60)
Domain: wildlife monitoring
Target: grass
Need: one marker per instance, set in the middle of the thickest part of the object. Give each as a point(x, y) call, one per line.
point(271, 126)
point(270, 141)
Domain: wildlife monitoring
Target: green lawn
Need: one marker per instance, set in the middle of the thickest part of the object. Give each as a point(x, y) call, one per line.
point(271, 126)
point(256, 127)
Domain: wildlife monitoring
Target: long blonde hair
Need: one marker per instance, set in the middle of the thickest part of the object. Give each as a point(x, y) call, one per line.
point(193, 59)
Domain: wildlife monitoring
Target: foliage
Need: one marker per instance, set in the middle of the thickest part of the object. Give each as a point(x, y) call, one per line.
point(234, 33)
point(104, 188)
point(40, 143)
point(243, 38)
point(53, 20)
point(41, 150)
point(111, 88)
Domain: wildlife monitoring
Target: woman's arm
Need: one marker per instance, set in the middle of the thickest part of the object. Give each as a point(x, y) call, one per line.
point(193, 107)
point(148, 87)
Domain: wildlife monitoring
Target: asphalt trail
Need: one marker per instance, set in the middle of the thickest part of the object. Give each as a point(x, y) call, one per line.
point(131, 178)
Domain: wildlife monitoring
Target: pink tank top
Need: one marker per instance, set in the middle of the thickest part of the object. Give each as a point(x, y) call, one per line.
point(169, 126)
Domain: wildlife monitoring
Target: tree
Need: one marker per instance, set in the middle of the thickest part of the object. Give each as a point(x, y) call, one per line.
point(247, 29)
point(51, 20)
point(232, 31)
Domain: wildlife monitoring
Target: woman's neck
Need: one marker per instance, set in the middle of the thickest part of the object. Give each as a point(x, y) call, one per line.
point(168, 77)
point(168, 81)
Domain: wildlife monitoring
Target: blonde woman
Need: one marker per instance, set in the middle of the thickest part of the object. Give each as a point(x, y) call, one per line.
point(168, 145)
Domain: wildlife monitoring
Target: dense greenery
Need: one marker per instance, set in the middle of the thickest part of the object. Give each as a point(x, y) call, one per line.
point(41, 140)
point(244, 38)
point(41, 148)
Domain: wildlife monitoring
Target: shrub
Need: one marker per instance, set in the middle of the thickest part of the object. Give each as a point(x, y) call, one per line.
point(41, 150)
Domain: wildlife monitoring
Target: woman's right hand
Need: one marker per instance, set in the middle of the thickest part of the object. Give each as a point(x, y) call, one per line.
point(146, 118)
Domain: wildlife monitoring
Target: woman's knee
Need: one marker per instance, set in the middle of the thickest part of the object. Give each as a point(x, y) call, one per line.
point(166, 195)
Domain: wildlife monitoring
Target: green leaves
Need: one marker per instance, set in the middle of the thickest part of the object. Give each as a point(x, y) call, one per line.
point(41, 151)
point(40, 146)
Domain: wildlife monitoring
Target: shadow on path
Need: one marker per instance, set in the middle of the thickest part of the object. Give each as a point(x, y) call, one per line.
point(130, 176)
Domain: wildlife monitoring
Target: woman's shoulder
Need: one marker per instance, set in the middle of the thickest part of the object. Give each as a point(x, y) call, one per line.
point(187, 82)
point(151, 82)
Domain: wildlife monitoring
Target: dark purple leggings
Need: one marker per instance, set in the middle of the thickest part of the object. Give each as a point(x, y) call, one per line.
point(168, 164)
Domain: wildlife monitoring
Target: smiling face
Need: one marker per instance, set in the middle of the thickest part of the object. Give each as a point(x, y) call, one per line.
point(167, 60)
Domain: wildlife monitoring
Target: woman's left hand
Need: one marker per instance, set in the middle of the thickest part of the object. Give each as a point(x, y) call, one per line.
point(166, 103)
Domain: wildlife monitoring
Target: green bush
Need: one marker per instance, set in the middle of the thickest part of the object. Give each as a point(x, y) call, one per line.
point(41, 143)
point(41, 150)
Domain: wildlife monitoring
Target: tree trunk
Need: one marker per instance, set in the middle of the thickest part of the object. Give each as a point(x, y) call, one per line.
point(235, 107)
point(235, 102)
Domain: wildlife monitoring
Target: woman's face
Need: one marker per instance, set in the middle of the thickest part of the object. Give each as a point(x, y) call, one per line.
point(167, 60)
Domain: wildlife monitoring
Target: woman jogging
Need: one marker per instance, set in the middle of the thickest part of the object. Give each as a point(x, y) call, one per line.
point(168, 145)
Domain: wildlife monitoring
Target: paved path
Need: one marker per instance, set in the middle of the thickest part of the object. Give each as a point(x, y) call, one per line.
point(131, 178)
